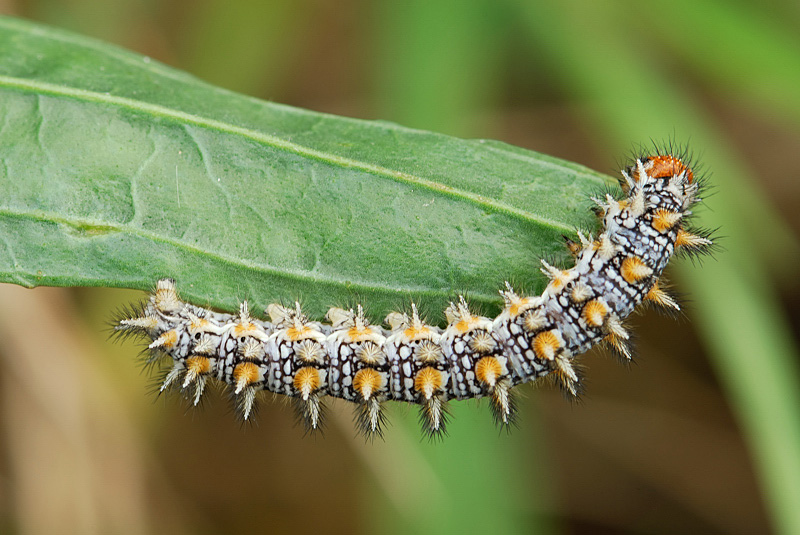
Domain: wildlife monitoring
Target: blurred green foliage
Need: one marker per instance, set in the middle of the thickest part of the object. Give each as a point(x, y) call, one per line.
point(592, 79)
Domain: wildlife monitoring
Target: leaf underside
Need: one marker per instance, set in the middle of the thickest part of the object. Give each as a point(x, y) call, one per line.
point(116, 170)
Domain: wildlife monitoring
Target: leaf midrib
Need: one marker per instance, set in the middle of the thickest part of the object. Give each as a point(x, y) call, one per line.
point(77, 223)
point(40, 87)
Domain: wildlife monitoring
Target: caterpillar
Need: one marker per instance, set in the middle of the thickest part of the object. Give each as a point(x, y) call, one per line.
point(412, 361)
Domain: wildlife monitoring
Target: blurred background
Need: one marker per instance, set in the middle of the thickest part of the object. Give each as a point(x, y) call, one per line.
point(700, 435)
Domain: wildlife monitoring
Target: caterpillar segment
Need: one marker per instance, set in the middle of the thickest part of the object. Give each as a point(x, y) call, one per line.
point(359, 366)
point(418, 369)
point(478, 362)
point(414, 362)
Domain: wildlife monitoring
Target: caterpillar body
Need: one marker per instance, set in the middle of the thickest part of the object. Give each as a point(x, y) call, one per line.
point(473, 357)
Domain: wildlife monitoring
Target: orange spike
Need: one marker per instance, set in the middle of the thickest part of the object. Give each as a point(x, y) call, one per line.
point(691, 241)
point(663, 220)
point(166, 340)
point(146, 323)
point(659, 297)
point(620, 345)
point(565, 374)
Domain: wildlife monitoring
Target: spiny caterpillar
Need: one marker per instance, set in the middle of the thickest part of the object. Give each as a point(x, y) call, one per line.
point(473, 357)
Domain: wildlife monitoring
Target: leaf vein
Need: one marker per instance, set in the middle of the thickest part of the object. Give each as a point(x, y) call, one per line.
point(77, 223)
point(39, 87)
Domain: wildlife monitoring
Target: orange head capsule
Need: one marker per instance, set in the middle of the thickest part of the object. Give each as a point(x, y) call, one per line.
point(668, 165)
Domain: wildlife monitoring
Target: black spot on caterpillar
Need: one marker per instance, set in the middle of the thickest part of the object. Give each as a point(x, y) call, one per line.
point(411, 361)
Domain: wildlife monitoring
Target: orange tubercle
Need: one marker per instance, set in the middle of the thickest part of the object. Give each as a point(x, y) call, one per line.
point(427, 381)
point(198, 365)
point(633, 269)
point(294, 334)
point(245, 374)
point(357, 335)
point(307, 380)
point(518, 306)
point(487, 370)
point(465, 324)
point(545, 345)
point(166, 298)
point(594, 312)
point(366, 382)
point(241, 329)
point(415, 333)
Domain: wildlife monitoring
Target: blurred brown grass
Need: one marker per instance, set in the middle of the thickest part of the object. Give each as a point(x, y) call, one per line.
point(654, 449)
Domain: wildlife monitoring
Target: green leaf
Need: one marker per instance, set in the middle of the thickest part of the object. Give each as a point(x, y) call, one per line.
point(117, 170)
